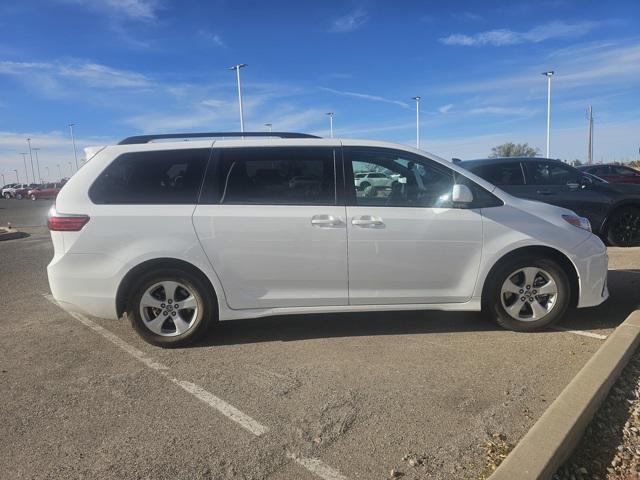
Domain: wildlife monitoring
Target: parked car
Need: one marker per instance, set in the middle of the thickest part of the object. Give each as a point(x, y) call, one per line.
point(613, 173)
point(21, 193)
point(3, 190)
point(613, 210)
point(236, 238)
point(10, 191)
point(376, 179)
point(47, 190)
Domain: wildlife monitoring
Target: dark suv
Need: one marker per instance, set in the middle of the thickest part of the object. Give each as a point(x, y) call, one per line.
point(613, 210)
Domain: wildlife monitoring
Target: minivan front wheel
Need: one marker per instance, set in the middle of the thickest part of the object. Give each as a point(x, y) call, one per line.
point(171, 307)
point(528, 294)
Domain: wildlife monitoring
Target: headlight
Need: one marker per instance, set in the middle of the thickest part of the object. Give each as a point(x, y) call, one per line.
point(579, 222)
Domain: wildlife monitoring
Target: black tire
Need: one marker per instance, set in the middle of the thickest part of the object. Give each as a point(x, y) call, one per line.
point(7, 196)
point(204, 319)
point(493, 298)
point(19, 196)
point(33, 197)
point(623, 227)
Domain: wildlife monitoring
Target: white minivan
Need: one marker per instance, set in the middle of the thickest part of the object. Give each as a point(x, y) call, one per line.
point(180, 234)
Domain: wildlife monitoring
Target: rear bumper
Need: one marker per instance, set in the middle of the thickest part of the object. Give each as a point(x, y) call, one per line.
point(592, 262)
point(85, 283)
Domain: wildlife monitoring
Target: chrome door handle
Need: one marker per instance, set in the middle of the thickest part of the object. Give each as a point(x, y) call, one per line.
point(326, 221)
point(544, 192)
point(367, 221)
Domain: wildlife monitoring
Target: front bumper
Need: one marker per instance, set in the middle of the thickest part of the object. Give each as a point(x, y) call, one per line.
point(592, 262)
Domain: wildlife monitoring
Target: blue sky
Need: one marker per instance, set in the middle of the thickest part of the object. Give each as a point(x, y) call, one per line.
point(122, 67)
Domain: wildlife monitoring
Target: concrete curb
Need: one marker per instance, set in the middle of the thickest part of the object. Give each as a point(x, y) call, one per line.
point(557, 433)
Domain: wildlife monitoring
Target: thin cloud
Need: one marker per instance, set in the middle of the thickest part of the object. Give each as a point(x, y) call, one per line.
point(214, 38)
point(365, 96)
point(88, 73)
point(540, 33)
point(132, 9)
point(445, 108)
point(350, 22)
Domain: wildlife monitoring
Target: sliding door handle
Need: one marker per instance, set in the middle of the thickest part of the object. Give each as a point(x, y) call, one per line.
point(367, 221)
point(326, 221)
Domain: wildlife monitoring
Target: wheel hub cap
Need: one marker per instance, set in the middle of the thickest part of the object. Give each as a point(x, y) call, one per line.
point(529, 294)
point(169, 308)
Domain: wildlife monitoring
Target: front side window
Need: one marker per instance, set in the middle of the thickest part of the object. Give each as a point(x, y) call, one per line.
point(548, 173)
point(155, 177)
point(398, 179)
point(278, 176)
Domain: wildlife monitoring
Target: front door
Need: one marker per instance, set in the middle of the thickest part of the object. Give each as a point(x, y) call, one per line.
point(272, 229)
point(407, 243)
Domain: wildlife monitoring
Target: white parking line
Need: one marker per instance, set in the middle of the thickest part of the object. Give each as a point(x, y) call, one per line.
point(223, 407)
point(229, 411)
point(581, 332)
point(313, 465)
point(317, 467)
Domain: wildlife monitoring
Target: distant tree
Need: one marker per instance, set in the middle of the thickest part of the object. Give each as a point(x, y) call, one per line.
point(510, 149)
point(576, 163)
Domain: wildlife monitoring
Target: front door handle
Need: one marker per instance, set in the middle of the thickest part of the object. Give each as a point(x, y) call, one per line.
point(544, 192)
point(326, 221)
point(367, 221)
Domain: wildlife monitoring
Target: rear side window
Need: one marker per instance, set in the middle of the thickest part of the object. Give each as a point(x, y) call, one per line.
point(277, 176)
point(501, 173)
point(156, 177)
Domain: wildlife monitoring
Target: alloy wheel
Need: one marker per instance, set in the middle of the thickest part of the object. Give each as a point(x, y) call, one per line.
point(169, 308)
point(626, 228)
point(529, 294)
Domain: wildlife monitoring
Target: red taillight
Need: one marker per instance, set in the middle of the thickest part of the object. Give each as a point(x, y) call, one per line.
point(67, 224)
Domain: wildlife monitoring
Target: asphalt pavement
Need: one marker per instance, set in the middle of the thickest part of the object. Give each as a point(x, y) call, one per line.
point(341, 396)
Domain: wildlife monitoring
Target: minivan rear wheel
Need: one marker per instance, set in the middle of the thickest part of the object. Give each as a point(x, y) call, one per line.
point(527, 293)
point(171, 307)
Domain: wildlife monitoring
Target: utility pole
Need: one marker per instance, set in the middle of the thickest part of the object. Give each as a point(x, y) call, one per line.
point(24, 159)
point(17, 177)
point(73, 141)
point(35, 149)
point(269, 126)
point(417, 99)
point(330, 114)
point(59, 171)
point(590, 145)
point(33, 173)
point(237, 69)
point(548, 74)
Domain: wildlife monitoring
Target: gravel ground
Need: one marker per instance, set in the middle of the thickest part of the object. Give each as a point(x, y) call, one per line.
point(610, 448)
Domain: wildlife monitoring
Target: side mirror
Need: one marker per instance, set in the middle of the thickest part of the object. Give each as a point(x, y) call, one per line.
point(461, 194)
point(585, 181)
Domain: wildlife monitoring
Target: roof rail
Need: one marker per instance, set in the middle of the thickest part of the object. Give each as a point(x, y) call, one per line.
point(148, 138)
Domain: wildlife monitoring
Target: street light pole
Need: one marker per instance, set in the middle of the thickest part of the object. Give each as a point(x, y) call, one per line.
point(417, 99)
point(59, 171)
point(48, 174)
point(269, 126)
point(33, 173)
point(4, 182)
point(24, 159)
point(17, 177)
point(73, 141)
point(237, 69)
point(70, 169)
point(35, 149)
point(330, 123)
point(548, 74)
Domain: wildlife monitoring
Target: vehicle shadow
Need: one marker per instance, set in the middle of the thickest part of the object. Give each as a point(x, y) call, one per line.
point(623, 285)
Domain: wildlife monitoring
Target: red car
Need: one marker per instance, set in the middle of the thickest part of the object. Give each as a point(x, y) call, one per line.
point(48, 190)
point(21, 193)
point(613, 173)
